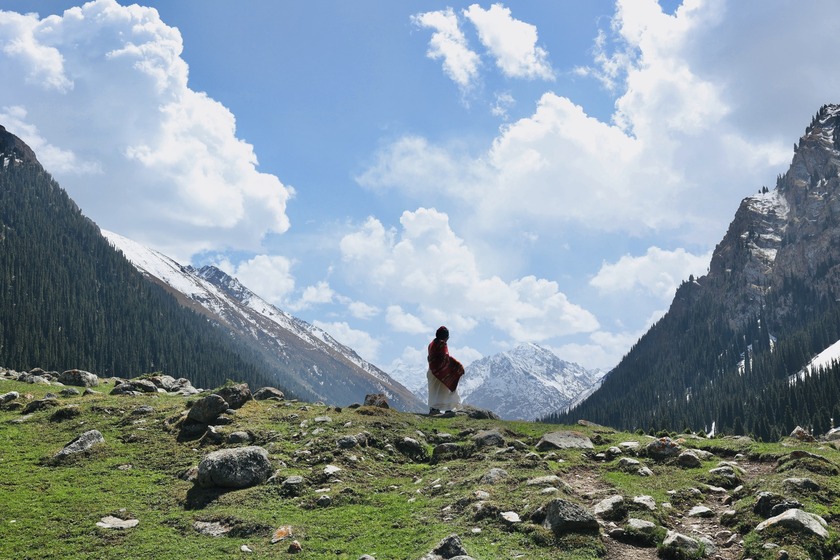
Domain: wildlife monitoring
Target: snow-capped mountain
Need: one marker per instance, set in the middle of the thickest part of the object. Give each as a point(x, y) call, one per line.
point(315, 365)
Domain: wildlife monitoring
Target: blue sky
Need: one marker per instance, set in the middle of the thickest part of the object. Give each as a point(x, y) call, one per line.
point(539, 171)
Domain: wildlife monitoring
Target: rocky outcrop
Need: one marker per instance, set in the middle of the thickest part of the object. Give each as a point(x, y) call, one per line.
point(234, 468)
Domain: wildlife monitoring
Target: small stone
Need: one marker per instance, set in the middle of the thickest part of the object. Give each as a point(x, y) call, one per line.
point(294, 547)
point(323, 501)
point(281, 533)
point(111, 522)
point(700, 511)
point(510, 516)
point(245, 548)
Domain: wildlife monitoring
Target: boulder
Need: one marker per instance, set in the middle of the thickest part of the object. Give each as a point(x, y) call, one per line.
point(235, 395)
point(266, 393)
point(611, 508)
point(689, 460)
point(234, 468)
point(378, 400)
point(79, 378)
point(677, 545)
point(562, 516)
point(207, 409)
point(81, 443)
point(489, 438)
point(564, 440)
point(662, 448)
point(9, 397)
point(40, 404)
point(494, 476)
point(797, 521)
point(449, 548)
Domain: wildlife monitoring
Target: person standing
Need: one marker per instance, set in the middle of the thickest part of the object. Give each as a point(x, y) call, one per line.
point(443, 375)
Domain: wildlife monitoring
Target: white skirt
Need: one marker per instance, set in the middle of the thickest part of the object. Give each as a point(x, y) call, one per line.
point(440, 397)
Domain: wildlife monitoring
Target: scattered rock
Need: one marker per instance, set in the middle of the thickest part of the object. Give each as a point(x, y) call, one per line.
point(494, 476)
point(235, 395)
point(294, 547)
point(662, 448)
point(564, 440)
point(9, 397)
point(562, 516)
point(211, 528)
point(39, 405)
point(239, 437)
point(646, 502)
point(81, 444)
point(207, 409)
point(802, 434)
point(677, 545)
point(347, 442)
point(689, 460)
point(801, 484)
point(292, 486)
point(78, 378)
point(700, 511)
point(412, 448)
point(266, 393)
point(489, 438)
point(797, 521)
point(240, 467)
point(447, 549)
point(611, 508)
point(377, 400)
point(69, 392)
point(65, 413)
point(111, 522)
point(282, 532)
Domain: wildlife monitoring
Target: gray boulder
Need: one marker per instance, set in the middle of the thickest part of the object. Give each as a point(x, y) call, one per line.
point(564, 440)
point(378, 400)
point(689, 460)
point(612, 508)
point(79, 378)
point(494, 476)
point(207, 409)
point(681, 546)
point(234, 468)
point(235, 395)
point(662, 448)
point(797, 521)
point(489, 438)
point(81, 444)
point(562, 516)
point(40, 404)
point(266, 393)
point(449, 548)
point(9, 397)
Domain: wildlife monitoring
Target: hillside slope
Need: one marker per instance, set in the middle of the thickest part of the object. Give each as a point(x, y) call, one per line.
point(325, 368)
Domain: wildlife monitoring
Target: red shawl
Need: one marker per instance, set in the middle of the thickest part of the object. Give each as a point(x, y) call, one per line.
point(445, 368)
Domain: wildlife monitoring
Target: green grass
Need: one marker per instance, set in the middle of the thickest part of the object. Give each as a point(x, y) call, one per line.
point(384, 504)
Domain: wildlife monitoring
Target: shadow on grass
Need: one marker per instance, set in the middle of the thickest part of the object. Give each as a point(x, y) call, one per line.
point(200, 498)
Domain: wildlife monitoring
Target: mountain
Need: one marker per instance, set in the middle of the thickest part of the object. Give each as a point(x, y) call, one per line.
point(69, 300)
point(724, 352)
point(525, 383)
point(321, 367)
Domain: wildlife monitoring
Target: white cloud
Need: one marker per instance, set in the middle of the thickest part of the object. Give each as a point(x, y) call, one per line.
point(402, 321)
point(361, 310)
point(318, 294)
point(449, 43)
point(513, 43)
point(425, 264)
point(109, 81)
point(268, 276)
point(362, 342)
point(657, 272)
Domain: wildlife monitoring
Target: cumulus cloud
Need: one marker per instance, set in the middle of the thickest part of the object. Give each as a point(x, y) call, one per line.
point(448, 42)
point(361, 310)
point(362, 342)
point(513, 43)
point(402, 321)
point(151, 158)
point(657, 272)
point(427, 265)
point(268, 276)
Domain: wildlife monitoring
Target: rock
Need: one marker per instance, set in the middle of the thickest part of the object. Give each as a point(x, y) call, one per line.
point(510, 517)
point(81, 443)
point(628, 464)
point(494, 476)
point(489, 438)
point(378, 400)
point(240, 467)
point(207, 409)
point(239, 437)
point(641, 526)
point(65, 413)
point(78, 378)
point(9, 397)
point(662, 448)
point(111, 522)
point(447, 451)
point(689, 460)
point(549, 480)
point(412, 448)
point(802, 434)
point(646, 502)
point(726, 476)
point(235, 395)
point(143, 386)
point(292, 486)
point(322, 420)
point(797, 521)
point(447, 549)
point(700, 511)
point(323, 501)
point(564, 440)
point(347, 442)
point(611, 508)
point(681, 546)
point(562, 516)
point(123, 389)
point(294, 547)
point(764, 503)
point(40, 404)
point(801, 484)
point(266, 393)
point(644, 471)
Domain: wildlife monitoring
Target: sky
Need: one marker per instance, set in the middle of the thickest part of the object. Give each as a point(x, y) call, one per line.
point(535, 172)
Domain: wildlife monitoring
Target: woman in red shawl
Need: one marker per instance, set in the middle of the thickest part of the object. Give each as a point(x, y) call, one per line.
point(443, 375)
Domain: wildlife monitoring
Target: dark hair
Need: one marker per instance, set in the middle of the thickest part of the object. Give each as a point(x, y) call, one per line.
point(442, 333)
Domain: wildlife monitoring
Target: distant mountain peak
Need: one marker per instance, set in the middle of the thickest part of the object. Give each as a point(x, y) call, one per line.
point(12, 147)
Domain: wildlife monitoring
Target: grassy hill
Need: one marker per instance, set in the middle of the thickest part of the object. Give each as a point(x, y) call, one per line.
point(389, 500)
